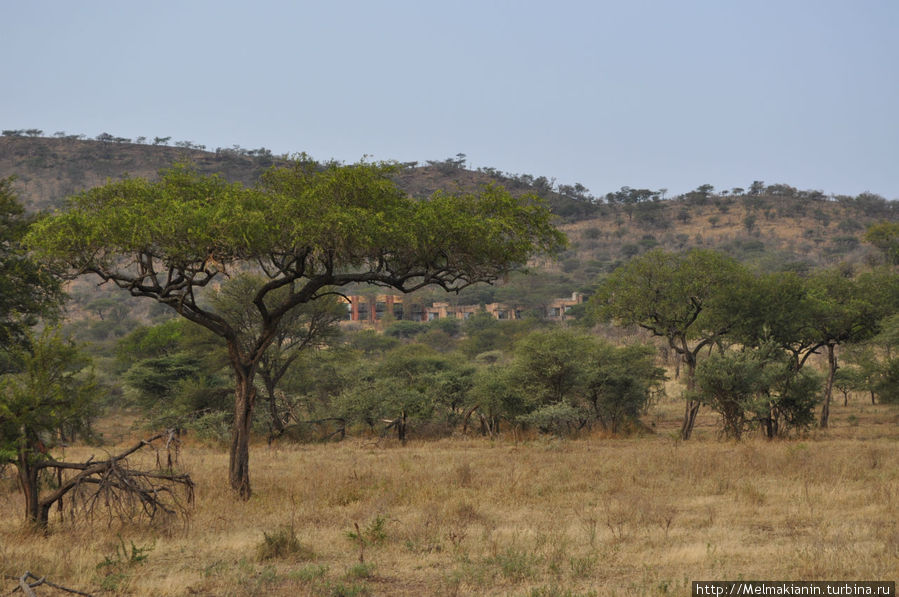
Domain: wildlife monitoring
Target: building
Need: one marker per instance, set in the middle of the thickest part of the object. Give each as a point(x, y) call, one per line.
point(372, 309)
point(558, 308)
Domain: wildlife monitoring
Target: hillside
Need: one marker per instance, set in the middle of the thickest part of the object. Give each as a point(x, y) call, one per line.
point(772, 227)
point(771, 232)
point(49, 169)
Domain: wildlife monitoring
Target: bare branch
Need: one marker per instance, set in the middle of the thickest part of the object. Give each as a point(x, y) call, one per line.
point(27, 587)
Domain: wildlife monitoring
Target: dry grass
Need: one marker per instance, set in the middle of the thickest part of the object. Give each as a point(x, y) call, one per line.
point(538, 517)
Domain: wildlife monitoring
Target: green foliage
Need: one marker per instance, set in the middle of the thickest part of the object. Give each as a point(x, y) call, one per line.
point(557, 418)
point(620, 383)
point(730, 383)
point(371, 342)
point(885, 236)
point(411, 381)
point(498, 395)
point(28, 291)
point(675, 295)
point(548, 365)
point(405, 329)
point(560, 381)
point(173, 376)
point(751, 388)
point(49, 397)
point(375, 533)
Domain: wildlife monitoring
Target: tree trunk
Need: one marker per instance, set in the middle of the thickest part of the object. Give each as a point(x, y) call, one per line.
point(692, 406)
point(277, 423)
point(828, 387)
point(28, 479)
point(401, 428)
point(690, 412)
point(244, 398)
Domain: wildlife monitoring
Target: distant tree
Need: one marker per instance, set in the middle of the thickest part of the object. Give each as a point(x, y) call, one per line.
point(682, 297)
point(410, 384)
point(307, 229)
point(13, 132)
point(749, 223)
point(756, 188)
point(804, 315)
point(885, 237)
point(141, 140)
point(757, 387)
point(572, 380)
point(620, 382)
point(161, 140)
point(844, 311)
point(34, 132)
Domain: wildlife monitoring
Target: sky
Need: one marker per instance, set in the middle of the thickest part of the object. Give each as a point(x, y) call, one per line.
point(658, 94)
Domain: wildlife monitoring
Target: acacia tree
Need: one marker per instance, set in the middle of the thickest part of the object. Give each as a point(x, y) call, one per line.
point(682, 297)
point(846, 311)
point(802, 316)
point(307, 229)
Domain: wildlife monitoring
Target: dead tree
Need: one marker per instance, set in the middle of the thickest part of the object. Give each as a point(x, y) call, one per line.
point(112, 485)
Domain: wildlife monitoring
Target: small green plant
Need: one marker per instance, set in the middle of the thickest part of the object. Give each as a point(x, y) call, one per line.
point(582, 567)
point(360, 571)
point(283, 543)
point(374, 534)
point(354, 590)
point(309, 573)
point(115, 569)
point(516, 564)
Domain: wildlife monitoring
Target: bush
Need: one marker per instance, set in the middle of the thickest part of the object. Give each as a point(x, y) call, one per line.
point(282, 544)
point(405, 329)
point(559, 418)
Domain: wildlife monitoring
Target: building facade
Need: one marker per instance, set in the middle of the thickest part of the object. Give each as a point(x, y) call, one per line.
point(373, 309)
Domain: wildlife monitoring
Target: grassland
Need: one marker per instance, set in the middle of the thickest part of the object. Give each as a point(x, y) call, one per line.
point(529, 516)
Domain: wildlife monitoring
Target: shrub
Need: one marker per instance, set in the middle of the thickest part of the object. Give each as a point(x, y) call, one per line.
point(281, 544)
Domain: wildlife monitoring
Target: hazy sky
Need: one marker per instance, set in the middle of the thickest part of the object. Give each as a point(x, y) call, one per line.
point(659, 94)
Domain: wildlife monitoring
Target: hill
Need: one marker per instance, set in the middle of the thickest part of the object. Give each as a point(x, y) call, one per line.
point(772, 227)
point(49, 169)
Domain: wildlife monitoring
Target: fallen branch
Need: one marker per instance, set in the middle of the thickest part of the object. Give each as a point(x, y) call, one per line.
point(28, 588)
point(124, 491)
